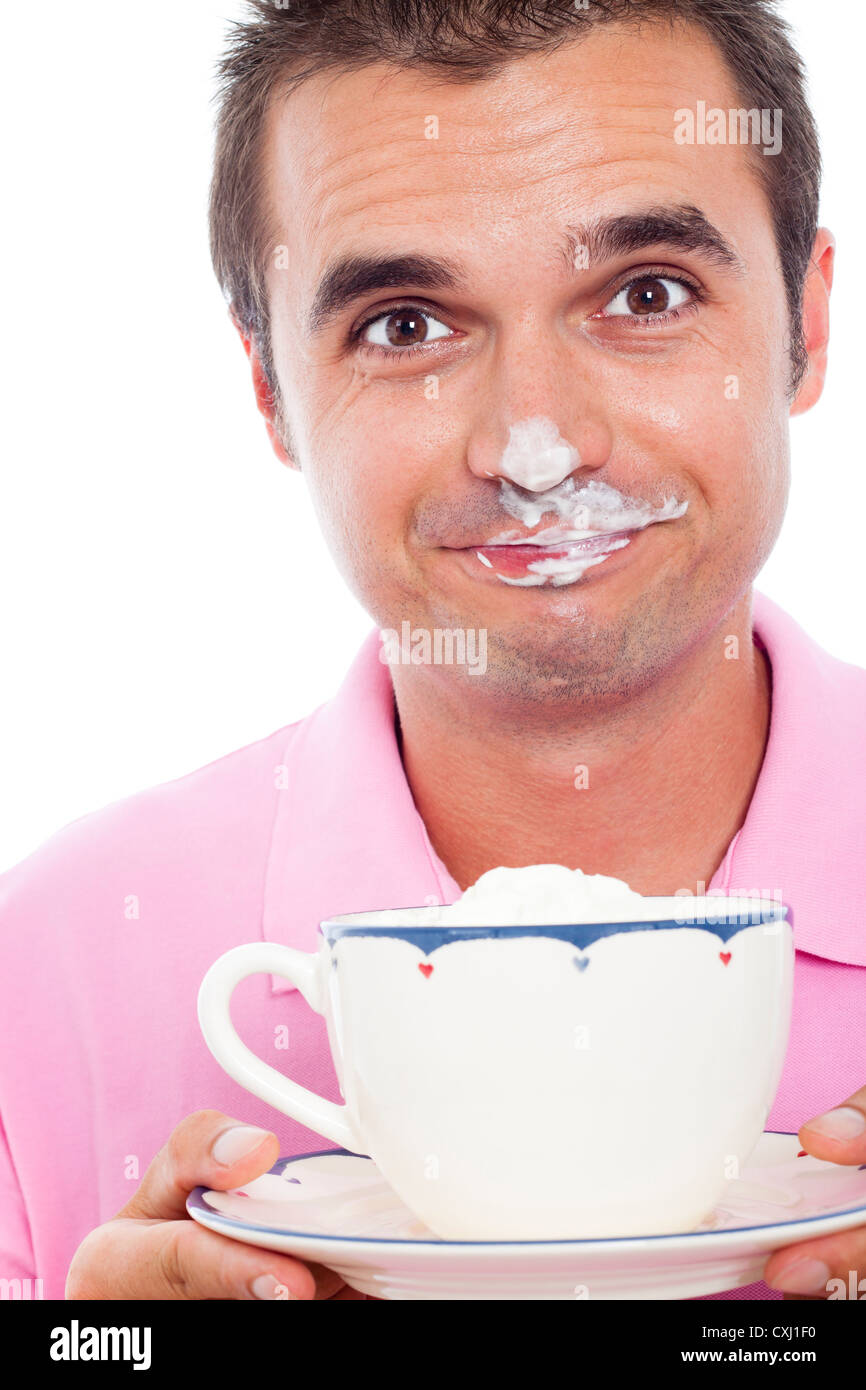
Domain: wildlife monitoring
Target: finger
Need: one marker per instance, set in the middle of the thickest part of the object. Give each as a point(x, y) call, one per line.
point(328, 1281)
point(821, 1268)
point(207, 1147)
point(838, 1135)
point(180, 1260)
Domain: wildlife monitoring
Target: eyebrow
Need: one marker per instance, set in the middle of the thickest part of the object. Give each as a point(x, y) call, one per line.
point(684, 228)
point(353, 277)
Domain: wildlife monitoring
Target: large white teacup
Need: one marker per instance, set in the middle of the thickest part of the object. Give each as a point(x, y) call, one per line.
point(538, 1083)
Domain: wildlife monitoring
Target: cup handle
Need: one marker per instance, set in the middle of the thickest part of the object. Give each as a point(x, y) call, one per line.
point(241, 1063)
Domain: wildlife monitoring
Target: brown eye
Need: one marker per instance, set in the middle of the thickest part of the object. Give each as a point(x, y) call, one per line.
point(403, 328)
point(648, 296)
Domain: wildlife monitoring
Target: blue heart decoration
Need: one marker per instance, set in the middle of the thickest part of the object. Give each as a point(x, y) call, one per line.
point(581, 962)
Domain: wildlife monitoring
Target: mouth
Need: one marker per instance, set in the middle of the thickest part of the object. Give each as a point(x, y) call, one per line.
point(549, 558)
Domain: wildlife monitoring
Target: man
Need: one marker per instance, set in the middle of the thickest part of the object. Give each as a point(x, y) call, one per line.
point(497, 291)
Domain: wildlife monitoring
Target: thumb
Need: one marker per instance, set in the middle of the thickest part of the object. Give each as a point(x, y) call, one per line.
point(839, 1135)
point(207, 1148)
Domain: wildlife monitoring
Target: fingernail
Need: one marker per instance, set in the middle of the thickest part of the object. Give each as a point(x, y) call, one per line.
point(236, 1143)
point(803, 1276)
point(844, 1123)
point(266, 1286)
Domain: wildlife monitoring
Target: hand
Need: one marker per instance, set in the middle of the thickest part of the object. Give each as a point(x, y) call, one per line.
point(153, 1249)
point(839, 1138)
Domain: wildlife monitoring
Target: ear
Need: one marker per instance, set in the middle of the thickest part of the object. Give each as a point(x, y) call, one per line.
point(816, 320)
point(264, 395)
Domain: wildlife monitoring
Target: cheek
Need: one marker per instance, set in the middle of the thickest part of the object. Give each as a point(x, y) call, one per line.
point(364, 461)
point(727, 432)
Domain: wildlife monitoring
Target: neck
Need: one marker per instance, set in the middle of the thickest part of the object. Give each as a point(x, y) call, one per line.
point(652, 796)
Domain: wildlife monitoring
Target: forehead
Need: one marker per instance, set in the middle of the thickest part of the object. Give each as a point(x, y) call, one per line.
point(377, 154)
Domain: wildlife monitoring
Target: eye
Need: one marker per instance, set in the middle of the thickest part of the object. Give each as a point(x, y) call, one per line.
point(649, 296)
point(405, 327)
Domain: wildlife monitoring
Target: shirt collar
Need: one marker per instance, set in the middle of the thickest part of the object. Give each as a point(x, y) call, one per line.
point(347, 836)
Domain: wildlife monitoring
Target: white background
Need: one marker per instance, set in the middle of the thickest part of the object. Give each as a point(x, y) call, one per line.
point(167, 597)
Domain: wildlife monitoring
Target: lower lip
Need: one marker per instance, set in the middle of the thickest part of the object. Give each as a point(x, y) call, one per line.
point(514, 561)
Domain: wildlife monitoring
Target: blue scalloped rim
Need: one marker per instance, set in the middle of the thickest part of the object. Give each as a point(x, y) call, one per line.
point(579, 934)
point(196, 1201)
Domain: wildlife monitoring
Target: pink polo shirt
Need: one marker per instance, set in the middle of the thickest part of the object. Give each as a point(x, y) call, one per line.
point(107, 929)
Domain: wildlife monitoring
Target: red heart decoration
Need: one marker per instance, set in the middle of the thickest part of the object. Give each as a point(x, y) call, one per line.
point(724, 957)
point(802, 1154)
point(426, 970)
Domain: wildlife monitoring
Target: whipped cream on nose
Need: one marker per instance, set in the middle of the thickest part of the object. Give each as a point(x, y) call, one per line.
point(536, 456)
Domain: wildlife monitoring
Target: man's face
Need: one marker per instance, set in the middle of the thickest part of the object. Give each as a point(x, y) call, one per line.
point(400, 425)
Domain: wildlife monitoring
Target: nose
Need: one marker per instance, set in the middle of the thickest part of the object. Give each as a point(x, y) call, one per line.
point(537, 415)
point(536, 455)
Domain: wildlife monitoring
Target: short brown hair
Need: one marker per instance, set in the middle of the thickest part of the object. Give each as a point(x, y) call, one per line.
point(278, 47)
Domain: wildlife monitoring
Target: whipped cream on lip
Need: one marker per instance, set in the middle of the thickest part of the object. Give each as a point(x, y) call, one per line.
point(602, 521)
point(557, 564)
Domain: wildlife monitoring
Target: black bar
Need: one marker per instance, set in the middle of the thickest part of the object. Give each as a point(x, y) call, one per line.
point(616, 1336)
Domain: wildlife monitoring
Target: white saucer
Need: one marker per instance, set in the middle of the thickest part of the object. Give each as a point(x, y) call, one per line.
point(336, 1209)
